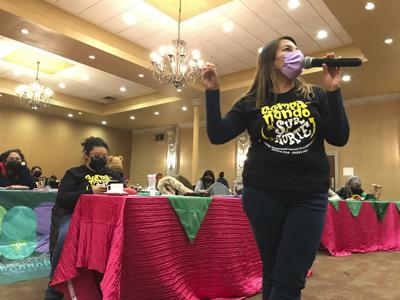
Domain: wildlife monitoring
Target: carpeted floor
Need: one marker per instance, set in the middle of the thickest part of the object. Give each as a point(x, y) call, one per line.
point(371, 276)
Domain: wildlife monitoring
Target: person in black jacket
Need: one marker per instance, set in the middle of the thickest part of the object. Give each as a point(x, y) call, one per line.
point(91, 177)
point(222, 180)
point(286, 173)
point(14, 172)
point(352, 187)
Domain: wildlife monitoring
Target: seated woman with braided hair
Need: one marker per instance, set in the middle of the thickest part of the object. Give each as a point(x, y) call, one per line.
point(91, 177)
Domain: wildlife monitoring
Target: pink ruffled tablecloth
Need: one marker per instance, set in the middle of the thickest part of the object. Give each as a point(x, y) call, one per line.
point(344, 234)
point(138, 249)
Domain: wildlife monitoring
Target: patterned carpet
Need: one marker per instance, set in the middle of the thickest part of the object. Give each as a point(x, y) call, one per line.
point(371, 276)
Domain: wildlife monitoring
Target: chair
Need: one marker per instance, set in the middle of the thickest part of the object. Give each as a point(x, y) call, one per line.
point(218, 188)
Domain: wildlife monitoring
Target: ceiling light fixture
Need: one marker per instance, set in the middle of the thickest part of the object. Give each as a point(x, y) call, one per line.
point(132, 117)
point(141, 75)
point(18, 71)
point(35, 94)
point(322, 34)
point(70, 115)
point(104, 122)
point(79, 113)
point(369, 6)
point(129, 19)
point(228, 26)
point(346, 78)
point(24, 31)
point(388, 41)
point(92, 57)
point(156, 113)
point(169, 65)
point(184, 108)
point(62, 85)
point(292, 4)
point(179, 90)
point(122, 89)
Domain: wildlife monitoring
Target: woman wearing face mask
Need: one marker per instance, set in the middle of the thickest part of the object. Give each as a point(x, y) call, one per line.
point(36, 173)
point(91, 177)
point(286, 174)
point(13, 170)
point(205, 181)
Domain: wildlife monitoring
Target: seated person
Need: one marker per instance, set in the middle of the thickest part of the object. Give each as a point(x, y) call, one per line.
point(53, 182)
point(205, 181)
point(351, 188)
point(91, 177)
point(158, 177)
point(184, 181)
point(36, 173)
point(13, 170)
point(218, 188)
point(222, 180)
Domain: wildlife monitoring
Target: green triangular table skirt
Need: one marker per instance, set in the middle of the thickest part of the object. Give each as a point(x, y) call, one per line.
point(191, 212)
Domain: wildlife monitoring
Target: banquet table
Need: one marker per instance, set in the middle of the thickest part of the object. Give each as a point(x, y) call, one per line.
point(138, 249)
point(361, 226)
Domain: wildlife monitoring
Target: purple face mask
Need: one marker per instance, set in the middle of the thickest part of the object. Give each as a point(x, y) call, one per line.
point(293, 64)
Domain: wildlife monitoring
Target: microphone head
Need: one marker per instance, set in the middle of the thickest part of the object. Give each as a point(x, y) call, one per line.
point(307, 62)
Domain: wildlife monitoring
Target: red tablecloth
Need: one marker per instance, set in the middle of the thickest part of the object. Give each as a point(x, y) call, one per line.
point(143, 252)
point(344, 234)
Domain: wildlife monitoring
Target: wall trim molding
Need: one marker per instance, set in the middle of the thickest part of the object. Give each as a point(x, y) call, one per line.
point(347, 103)
point(372, 99)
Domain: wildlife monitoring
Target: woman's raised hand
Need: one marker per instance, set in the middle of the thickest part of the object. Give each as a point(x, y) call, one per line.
point(210, 77)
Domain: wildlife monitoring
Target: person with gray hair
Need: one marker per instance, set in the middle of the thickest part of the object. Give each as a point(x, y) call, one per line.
point(352, 187)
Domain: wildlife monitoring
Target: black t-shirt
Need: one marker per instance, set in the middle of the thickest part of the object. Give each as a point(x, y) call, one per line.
point(76, 181)
point(287, 137)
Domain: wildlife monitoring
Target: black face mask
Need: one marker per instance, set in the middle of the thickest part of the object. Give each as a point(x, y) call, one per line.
point(37, 174)
point(13, 166)
point(97, 163)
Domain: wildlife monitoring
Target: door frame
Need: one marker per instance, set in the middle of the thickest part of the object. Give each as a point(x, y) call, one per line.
point(335, 155)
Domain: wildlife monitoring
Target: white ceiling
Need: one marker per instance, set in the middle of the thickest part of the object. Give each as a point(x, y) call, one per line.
point(99, 85)
point(255, 23)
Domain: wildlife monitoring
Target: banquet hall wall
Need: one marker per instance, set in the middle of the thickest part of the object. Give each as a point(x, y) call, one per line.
point(54, 142)
point(373, 150)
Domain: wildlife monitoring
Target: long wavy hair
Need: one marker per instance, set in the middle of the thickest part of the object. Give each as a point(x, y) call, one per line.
point(265, 80)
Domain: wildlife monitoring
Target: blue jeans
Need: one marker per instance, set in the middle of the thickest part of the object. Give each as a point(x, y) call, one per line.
point(287, 227)
point(52, 294)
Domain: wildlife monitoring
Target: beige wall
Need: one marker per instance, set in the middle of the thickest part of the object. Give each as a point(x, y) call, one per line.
point(211, 157)
point(373, 150)
point(54, 143)
point(374, 147)
point(148, 157)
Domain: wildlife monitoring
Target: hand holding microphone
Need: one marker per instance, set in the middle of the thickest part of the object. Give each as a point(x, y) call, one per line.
point(332, 75)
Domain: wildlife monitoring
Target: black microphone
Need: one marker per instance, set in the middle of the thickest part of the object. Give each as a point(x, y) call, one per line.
point(311, 62)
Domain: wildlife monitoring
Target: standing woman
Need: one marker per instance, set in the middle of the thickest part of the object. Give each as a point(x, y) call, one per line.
point(91, 177)
point(286, 174)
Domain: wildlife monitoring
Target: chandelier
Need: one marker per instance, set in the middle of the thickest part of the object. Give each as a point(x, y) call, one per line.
point(34, 94)
point(169, 65)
